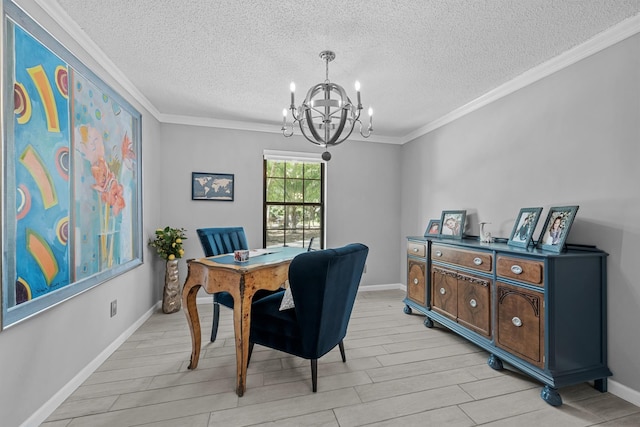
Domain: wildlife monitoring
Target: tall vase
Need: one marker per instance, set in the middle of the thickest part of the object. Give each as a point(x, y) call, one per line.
point(171, 298)
point(108, 251)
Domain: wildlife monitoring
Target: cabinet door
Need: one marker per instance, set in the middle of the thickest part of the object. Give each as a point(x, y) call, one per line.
point(444, 292)
point(520, 328)
point(474, 303)
point(416, 280)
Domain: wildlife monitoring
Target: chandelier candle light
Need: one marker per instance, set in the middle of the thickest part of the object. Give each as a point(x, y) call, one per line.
point(327, 116)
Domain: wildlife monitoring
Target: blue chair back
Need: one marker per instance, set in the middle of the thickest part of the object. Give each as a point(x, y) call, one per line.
point(222, 240)
point(324, 285)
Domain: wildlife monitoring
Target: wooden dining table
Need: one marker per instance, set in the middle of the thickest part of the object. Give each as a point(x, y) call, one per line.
point(265, 269)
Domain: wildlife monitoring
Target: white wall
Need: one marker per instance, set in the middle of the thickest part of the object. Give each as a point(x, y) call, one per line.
point(43, 354)
point(363, 197)
point(572, 138)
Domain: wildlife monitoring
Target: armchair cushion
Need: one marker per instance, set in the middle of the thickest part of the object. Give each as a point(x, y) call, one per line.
point(287, 299)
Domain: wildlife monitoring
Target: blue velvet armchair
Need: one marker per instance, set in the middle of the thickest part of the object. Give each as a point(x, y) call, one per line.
point(323, 284)
point(219, 241)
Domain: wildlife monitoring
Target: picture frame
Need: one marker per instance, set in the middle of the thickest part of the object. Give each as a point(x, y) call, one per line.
point(71, 173)
point(524, 227)
point(212, 186)
point(433, 229)
point(556, 228)
point(452, 224)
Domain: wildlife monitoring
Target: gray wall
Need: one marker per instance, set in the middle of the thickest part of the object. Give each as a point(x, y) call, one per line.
point(42, 357)
point(572, 138)
point(363, 196)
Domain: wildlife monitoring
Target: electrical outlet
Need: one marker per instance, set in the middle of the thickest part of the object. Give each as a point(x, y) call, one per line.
point(114, 307)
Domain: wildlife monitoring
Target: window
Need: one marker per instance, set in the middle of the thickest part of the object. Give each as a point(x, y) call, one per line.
point(293, 201)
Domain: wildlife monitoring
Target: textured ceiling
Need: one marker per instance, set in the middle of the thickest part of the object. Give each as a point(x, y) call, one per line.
point(417, 60)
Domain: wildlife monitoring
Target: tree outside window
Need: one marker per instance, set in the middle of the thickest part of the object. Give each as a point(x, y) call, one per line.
point(293, 203)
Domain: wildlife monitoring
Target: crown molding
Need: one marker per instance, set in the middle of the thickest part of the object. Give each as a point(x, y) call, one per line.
point(255, 127)
point(55, 11)
point(599, 42)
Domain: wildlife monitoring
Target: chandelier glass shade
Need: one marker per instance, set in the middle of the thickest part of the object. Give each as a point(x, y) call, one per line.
point(327, 116)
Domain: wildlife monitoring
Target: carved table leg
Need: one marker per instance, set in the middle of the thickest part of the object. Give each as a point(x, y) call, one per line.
point(190, 308)
point(241, 330)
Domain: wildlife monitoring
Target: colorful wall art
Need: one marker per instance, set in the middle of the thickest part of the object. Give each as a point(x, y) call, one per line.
point(71, 190)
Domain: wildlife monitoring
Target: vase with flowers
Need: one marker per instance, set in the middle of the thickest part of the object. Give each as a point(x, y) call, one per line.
point(109, 169)
point(168, 244)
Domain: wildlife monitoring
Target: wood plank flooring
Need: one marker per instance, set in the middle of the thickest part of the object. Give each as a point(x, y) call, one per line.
point(398, 373)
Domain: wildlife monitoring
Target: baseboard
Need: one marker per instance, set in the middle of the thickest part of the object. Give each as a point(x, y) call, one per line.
point(623, 392)
point(52, 404)
point(613, 387)
point(38, 417)
point(386, 287)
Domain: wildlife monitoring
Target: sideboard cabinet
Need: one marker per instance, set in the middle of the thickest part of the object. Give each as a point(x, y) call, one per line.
point(543, 313)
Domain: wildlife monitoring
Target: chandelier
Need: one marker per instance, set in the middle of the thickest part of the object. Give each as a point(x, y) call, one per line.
point(327, 116)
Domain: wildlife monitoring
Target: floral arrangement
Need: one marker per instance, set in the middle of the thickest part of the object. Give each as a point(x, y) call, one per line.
point(107, 174)
point(168, 242)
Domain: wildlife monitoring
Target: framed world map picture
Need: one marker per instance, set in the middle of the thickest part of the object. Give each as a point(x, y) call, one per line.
point(212, 186)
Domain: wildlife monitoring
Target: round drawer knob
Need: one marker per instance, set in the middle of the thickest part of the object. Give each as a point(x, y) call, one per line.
point(516, 321)
point(415, 249)
point(442, 291)
point(416, 281)
point(516, 269)
point(477, 261)
point(473, 303)
point(438, 253)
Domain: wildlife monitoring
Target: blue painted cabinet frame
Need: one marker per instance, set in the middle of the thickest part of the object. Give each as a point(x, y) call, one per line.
point(570, 296)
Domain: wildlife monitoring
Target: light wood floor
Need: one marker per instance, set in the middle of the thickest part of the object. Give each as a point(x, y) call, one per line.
point(398, 373)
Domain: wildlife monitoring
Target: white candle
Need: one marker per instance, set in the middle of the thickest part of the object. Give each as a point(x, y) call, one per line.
point(293, 90)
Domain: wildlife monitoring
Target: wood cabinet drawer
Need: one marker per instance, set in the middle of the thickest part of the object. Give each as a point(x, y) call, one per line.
point(520, 269)
point(471, 259)
point(520, 322)
point(417, 281)
point(416, 249)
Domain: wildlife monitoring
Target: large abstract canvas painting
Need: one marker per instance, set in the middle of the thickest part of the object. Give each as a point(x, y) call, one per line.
point(71, 174)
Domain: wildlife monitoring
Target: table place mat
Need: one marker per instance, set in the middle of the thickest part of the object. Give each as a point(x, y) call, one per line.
point(261, 256)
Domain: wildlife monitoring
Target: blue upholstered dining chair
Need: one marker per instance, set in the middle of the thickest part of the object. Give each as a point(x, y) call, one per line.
point(219, 241)
point(323, 284)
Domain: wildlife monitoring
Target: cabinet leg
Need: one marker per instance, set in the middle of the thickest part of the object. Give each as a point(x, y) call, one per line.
point(428, 323)
point(407, 309)
point(551, 396)
point(494, 362)
point(600, 385)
